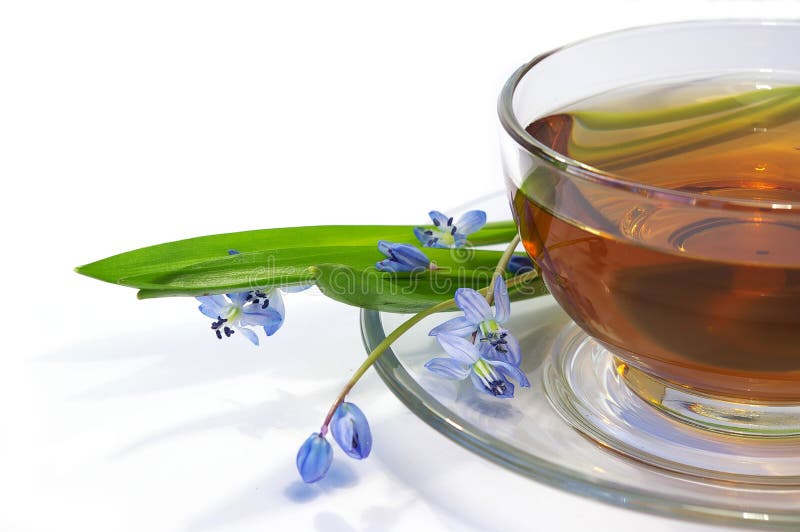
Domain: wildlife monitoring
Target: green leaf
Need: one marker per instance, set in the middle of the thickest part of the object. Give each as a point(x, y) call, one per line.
point(340, 260)
point(175, 256)
point(344, 273)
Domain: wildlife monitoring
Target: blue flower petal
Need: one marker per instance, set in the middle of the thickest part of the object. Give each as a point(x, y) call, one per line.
point(519, 264)
point(411, 256)
point(249, 334)
point(388, 265)
point(510, 370)
point(276, 304)
point(255, 316)
point(459, 348)
point(511, 354)
point(439, 219)
point(215, 301)
point(459, 326)
point(314, 458)
point(474, 305)
point(384, 246)
point(506, 387)
point(448, 368)
point(402, 258)
point(471, 222)
point(502, 304)
point(239, 298)
point(419, 232)
point(293, 289)
point(514, 353)
point(351, 431)
point(212, 312)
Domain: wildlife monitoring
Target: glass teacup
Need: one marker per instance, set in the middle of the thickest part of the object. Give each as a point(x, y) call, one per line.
point(693, 293)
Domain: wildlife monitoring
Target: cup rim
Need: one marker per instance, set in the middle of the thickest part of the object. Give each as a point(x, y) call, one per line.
point(584, 171)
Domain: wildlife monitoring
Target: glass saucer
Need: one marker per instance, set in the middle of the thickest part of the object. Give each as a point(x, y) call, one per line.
point(527, 434)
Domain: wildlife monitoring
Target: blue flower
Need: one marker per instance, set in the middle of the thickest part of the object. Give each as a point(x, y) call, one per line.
point(314, 458)
point(519, 264)
point(446, 234)
point(478, 319)
point(239, 311)
point(488, 374)
point(402, 258)
point(351, 431)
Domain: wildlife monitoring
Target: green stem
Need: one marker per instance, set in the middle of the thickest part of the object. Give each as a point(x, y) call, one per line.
point(397, 333)
point(501, 268)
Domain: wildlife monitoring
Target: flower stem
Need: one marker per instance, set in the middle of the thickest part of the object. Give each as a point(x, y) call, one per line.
point(501, 268)
point(400, 330)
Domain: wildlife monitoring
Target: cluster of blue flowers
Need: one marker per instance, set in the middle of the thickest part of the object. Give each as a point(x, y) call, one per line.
point(443, 234)
point(477, 344)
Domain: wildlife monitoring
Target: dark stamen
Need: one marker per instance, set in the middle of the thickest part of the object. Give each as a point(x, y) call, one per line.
point(453, 230)
point(449, 221)
point(219, 334)
point(429, 232)
point(266, 304)
point(436, 222)
point(497, 387)
point(228, 332)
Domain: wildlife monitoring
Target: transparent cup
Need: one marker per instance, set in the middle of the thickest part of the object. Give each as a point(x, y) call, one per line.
point(691, 300)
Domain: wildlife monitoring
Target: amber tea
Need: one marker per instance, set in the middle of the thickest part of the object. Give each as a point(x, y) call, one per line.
point(710, 303)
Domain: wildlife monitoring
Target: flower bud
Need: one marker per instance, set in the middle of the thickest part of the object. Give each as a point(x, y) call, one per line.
point(351, 431)
point(314, 458)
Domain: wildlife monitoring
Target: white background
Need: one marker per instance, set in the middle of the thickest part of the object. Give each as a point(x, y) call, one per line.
point(127, 124)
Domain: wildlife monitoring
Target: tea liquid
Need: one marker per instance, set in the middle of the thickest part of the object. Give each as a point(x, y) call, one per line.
point(712, 303)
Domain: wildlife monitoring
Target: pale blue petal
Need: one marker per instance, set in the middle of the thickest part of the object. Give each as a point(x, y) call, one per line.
point(384, 246)
point(212, 312)
point(293, 289)
point(411, 256)
point(249, 334)
point(459, 326)
point(459, 348)
point(388, 265)
point(490, 352)
point(439, 219)
point(502, 304)
point(276, 301)
point(514, 353)
point(471, 222)
point(351, 431)
point(276, 304)
point(255, 316)
point(459, 240)
point(314, 458)
point(238, 298)
point(419, 232)
point(510, 370)
point(217, 301)
point(478, 383)
point(474, 305)
point(503, 389)
point(448, 368)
